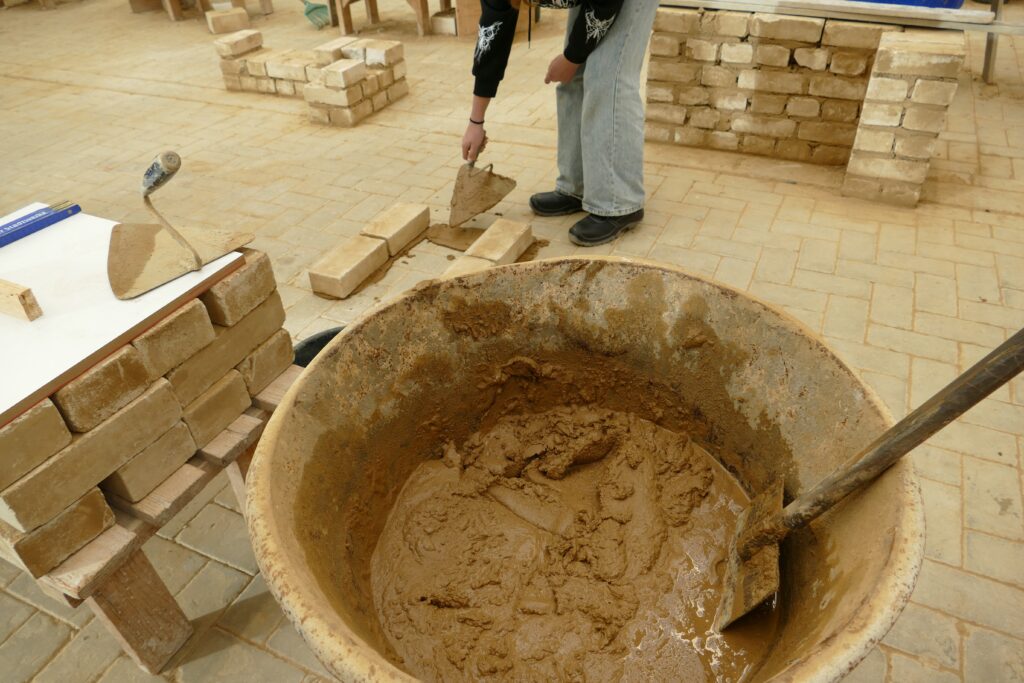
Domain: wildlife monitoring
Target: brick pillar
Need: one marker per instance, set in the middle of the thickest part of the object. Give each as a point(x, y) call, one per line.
point(912, 85)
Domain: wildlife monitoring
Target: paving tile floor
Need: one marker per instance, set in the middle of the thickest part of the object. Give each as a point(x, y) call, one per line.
point(89, 93)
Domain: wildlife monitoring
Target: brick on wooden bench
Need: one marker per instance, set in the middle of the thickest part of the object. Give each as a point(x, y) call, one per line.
point(239, 293)
point(269, 360)
point(236, 439)
point(175, 339)
point(30, 439)
point(143, 473)
point(270, 398)
point(103, 389)
point(216, 408)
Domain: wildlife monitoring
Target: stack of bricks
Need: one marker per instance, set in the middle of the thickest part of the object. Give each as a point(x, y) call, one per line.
point(113, 435)
point(773, 85)
point(913, 82)
point(500, 244)
point(343, 81)
point(344, 268)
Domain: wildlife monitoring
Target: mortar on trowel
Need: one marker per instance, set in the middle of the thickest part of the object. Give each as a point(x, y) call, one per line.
point(765, 396)
point(476, 191)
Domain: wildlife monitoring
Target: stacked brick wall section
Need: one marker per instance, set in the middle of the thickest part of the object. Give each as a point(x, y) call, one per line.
point(913, 82)
point(773, 85)
point(117, 432)
point(343, 81)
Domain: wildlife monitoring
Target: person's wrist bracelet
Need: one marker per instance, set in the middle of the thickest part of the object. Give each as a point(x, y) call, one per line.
point(479, 123)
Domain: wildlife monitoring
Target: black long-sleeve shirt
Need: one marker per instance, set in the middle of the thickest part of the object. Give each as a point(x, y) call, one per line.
point(498, 28)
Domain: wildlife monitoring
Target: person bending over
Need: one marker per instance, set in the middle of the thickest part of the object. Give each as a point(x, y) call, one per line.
point(600, 112)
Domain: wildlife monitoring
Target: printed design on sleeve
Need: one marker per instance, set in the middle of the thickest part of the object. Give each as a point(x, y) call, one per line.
point(596, 28)
point(559, 4)
point(484, 39)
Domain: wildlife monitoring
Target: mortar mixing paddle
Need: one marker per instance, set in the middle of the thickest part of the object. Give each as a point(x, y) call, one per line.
point(752, 574)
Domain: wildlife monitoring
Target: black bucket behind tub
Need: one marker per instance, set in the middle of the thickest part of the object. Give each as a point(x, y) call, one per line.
point(307, 349)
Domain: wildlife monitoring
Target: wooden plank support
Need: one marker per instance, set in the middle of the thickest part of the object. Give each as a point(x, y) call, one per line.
point(167, 499)
point(270, 398)
point(18, 301)
point(82, 573)
point(235, 439)
point(141, 613)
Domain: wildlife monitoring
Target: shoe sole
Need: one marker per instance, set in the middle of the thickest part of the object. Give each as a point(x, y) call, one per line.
point(567, 212)
point(581, 243)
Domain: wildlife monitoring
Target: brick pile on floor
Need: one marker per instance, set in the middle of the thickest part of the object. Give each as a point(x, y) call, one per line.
point(113, 435)
point(343, 81)
point(343, 269)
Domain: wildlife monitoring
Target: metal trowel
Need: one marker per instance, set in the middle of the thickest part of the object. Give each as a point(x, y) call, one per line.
point(144, 256)
point(476, 191)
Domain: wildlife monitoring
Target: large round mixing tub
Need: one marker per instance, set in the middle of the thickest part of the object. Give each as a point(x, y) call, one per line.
point(760, 391)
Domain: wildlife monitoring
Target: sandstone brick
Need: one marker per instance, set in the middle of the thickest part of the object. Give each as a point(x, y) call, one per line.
point(830, 155)
point(267, 362)
point(701, 50)
point(385, 75)
point(693, 96)
point(42, 549)
point(238, 43)
point(660, 92)
point(345, 267)
point(758, 125)
point(464, 265)
point(666, 113)
point(863, 188)
point(398, 90)
point(233, 67)
point(103, 389)
point(290, 65)
point(333, 97)
point(754, 144)
point(343, 73)
point(88, 459)
point(840, 110)
point(876, 114)
point(838, 88)
point(656, 132)
point(380, 100)
point(315, 73)
point(235, 296)
point(779, 27)
point(350, 116)
point(773, 81)
point(399, 70)
point(227, 21)
point(676, 20)
point(725, 100)
point(925, 119)
point(673, 72)
point(869, 140)
point(731, 24)
point(767, 104)
point(737, 53)
point(831, 133)
point(266, 86)
point(503, 242)
point(890, 169)
point(718, 76)
point(723, 140)
point(29, 439)
point(175, 338)
point(248, 83)
point(915, 146)
point(803, 107)
point(664, 45)
point(690, 136)
point(384, 52)
point(233, 83)
point(399, 225)
point(227, 350)
point(283, 87)
point(256, 62)
point(370, 85)
point(934, 92)
point(899, 55)
point(814, 58)
point(854, 34)
point(356, 49)
point(772, 55)
point(318, 114)
point(703, 117)
point(330, 51)
point(216, 408)
point(848, 63)
point(137, 478)
point(794, 150)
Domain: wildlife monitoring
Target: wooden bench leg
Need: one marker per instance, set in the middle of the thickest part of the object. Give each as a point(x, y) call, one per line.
point(345, 16)
point(422, 9)
point(267, 7)
point(237, 472)
point(371, 11)
point(141, 613)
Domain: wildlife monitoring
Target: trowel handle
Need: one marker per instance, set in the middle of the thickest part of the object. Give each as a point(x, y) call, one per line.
point(966, 391)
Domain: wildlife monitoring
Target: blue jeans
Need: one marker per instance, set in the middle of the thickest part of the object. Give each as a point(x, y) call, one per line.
point(601, 117)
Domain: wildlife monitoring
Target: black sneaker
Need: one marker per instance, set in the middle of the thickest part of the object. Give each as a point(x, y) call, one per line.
point(594, 230)
point(554, 204)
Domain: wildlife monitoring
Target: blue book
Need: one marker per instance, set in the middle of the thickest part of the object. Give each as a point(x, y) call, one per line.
point(36, 221)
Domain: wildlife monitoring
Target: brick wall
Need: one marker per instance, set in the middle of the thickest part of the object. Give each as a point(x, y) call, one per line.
point(783, 86)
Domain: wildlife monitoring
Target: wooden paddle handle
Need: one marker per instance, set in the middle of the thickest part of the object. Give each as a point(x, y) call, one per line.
point(966, 391)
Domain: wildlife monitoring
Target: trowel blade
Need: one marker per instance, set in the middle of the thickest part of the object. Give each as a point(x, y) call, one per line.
point(476, 191)
point(144, 256)
point(750, 582)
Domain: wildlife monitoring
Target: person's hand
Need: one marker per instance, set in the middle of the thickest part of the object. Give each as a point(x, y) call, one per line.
point(561, 70)
point(473, 142)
